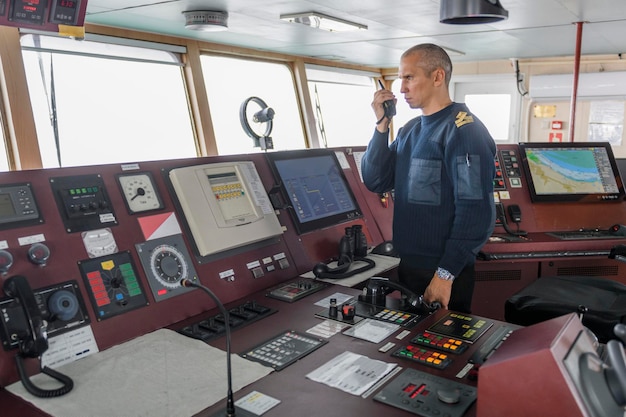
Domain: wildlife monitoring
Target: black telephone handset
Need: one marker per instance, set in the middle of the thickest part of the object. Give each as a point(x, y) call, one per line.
point(389, 106)
point(352, 247)
point(33, 342)
point(516, 216)
point(33, 339)
point(515, 213)
point(377, 289)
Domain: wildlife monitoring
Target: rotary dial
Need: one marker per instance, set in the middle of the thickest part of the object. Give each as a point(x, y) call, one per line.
point(168, 266)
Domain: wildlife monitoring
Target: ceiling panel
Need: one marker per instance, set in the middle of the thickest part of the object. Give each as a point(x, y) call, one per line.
point(535, 28)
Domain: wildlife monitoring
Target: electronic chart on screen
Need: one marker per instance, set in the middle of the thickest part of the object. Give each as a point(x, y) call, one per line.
point(315, 185)
point(585, 172)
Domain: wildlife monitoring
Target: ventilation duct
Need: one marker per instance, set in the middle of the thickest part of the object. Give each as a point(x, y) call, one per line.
point(590, 85)
point(467, 12)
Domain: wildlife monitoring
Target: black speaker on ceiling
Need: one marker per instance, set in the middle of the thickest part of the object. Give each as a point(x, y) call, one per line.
point(467, 12)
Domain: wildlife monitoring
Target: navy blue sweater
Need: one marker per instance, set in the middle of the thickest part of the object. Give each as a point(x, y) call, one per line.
point(441, 167)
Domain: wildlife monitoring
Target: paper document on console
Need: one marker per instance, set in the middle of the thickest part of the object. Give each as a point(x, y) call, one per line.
point(351, 372)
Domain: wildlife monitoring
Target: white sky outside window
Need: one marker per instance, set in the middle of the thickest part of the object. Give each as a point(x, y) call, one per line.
point(109, 110)
point(494, 111)
point(344, 102)
point(230, 82)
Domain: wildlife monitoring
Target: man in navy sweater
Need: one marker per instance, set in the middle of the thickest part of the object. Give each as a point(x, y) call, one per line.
point(441, 166)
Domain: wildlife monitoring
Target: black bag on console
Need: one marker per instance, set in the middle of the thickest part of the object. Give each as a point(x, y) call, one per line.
point(549, 297)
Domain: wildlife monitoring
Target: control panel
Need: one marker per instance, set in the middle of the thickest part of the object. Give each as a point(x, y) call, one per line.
point(284, 349)
point(427, 395)
point(18, 206)
point(215, 326)
point(113, 284)
point(83, 202)
point(564, 203)
point(498, 181)
point(43, 15)
point(166, 262)
point(116, 241)
point(61, 305)
point(510, 165)
point(127, 235)
point(293, 291)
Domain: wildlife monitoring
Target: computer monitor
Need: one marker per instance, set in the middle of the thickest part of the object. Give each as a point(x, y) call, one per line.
point(316, 188)
point(571, 172)
point(621, 165)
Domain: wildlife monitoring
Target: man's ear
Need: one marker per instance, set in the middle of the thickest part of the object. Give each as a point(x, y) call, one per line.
point(439, 76)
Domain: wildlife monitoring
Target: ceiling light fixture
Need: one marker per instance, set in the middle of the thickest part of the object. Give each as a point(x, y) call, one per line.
point(322, 21)
point(206, 20)
point(467, 12)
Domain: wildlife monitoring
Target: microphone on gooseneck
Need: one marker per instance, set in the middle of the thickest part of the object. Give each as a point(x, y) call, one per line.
point(230, 403)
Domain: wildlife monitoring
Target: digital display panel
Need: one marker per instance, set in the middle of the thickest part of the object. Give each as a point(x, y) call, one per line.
point(571, 172)
point(28, 11)
point(316, 187)
point(18, 206)
point(64, 12)
point(6, 206)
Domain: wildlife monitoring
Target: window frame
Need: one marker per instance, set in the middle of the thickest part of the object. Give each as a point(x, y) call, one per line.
point(328, 75)
point(495, 84)
point(137, 54)
point(247, 140)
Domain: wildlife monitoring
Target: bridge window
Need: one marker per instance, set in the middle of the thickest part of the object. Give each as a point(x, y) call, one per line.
point(230, 82)
point(98, 101)
point(494, 99)
point(342, 101)
point(4, 156)
point(493, 110)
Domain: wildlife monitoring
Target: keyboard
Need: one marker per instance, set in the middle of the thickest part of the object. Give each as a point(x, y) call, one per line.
point(583, 234)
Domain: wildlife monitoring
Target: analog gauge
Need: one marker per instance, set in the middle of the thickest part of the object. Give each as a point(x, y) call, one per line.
point(140, 192)
point(99, 242)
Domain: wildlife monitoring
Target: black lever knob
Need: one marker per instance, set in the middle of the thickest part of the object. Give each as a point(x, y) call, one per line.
point(620, 331)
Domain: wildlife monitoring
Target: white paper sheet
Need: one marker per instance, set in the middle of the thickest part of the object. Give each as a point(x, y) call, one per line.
point(160, 374)
point(351, 372)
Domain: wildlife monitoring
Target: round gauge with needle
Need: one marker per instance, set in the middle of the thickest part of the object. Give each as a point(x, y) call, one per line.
point(140, 192)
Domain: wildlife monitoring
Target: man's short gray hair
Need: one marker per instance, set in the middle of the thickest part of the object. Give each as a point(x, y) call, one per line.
point(432, 57)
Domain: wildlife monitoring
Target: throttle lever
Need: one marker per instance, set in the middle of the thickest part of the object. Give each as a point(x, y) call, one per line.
point(616, 371)
point(620, 331)
point(425, 306)
point(377, 289)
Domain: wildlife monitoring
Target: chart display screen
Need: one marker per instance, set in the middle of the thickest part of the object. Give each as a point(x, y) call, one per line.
point(579, 171)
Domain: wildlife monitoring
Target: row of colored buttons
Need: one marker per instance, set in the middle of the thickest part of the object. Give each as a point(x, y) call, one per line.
point(425, 356)
point(393, 316)
point(444, 343)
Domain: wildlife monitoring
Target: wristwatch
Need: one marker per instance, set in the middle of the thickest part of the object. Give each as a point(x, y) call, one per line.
point(445, 274)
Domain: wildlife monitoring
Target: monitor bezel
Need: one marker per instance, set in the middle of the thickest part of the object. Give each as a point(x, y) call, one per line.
point(573, 197)
point(329, 221)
